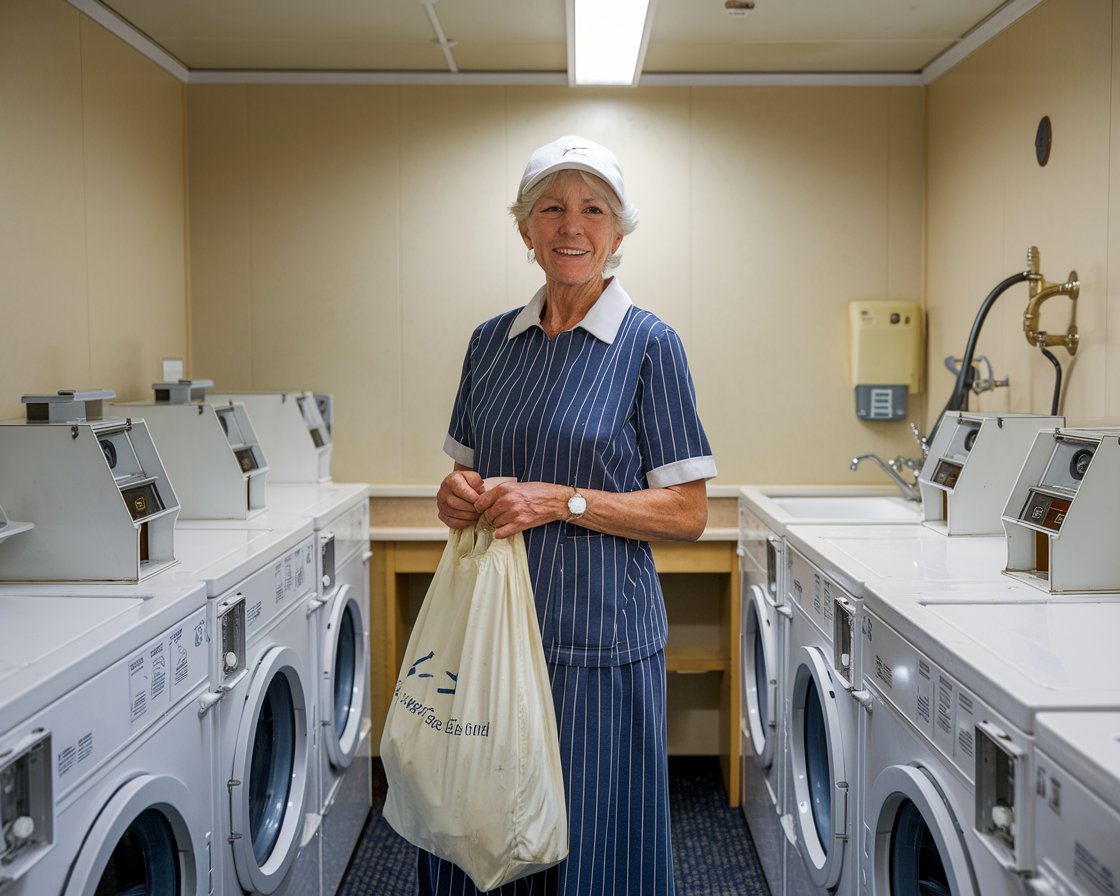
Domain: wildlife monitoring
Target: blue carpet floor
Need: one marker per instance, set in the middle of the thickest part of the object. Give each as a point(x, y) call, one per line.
point(712, 850)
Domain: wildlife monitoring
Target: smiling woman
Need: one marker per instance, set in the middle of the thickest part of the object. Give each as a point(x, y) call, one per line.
point(586, 402)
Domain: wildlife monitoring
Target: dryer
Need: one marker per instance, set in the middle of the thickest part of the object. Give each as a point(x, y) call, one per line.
point(1077, 803)
point(339, 514)
point(949, 771)
point(104, 759)
point(764, 514)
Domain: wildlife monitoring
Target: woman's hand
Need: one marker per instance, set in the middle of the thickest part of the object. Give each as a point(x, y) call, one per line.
point(672, 513)
point(455, 500)
point(512, 507)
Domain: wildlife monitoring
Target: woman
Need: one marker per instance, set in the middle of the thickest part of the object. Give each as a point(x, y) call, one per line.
point(587, 401)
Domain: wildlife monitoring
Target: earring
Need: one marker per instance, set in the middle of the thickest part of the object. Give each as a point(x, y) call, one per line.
point(531, 255)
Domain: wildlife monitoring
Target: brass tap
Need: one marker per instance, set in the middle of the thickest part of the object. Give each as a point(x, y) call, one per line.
point(1040, 291)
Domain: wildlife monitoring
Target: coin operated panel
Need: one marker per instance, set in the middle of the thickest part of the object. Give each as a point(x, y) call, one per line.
point(292, 431)
point(210, 450)
point(1059, 517)
point(971, 467)
point(27, 805)
point(100, 499)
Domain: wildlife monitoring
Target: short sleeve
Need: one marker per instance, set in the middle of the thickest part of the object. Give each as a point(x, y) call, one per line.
point(672, 440)
point(460, 441)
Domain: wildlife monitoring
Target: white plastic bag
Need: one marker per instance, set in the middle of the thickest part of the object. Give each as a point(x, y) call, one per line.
point(470, 746)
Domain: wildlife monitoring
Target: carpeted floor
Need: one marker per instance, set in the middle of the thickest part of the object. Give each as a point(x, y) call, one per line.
point(712, 851)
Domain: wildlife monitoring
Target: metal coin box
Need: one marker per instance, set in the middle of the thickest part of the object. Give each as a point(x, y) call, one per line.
point(292, 431)
point(1060, 518)
point(210, 450)
point(972, 464)
point(100, 499)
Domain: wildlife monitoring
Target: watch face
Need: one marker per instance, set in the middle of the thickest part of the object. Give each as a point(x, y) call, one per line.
point(577, 504)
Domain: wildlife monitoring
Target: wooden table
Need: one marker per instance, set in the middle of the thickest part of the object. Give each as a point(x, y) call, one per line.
point(707, 641)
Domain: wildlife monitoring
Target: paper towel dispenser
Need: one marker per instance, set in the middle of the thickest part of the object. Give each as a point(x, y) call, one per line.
point(887, 357)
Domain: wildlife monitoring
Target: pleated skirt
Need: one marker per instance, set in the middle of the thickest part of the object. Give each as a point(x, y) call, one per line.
point(613, 747)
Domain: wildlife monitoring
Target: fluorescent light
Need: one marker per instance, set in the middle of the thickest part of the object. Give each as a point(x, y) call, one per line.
point(609, 40)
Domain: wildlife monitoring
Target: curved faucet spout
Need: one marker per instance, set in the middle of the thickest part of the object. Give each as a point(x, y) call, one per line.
point(909, 490)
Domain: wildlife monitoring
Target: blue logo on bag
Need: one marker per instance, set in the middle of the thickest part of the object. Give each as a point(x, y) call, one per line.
point(412, 669)
point(452, 675)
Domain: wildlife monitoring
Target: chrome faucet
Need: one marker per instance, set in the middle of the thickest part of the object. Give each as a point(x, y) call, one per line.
point(891, 468)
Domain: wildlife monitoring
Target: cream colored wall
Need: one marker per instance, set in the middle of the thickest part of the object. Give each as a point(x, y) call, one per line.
point(989, 200)
point(92, 208)
point(348, 239)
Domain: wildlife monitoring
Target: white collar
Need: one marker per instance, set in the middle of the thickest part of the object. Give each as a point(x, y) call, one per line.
point(602, 320)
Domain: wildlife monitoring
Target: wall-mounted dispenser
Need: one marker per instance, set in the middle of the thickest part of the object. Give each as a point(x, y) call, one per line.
point(887, 357)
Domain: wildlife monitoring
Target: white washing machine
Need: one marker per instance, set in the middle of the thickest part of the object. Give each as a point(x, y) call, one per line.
point(822, 769)
point(262, 701)
point(949, 769)
point(764, 514)
point(857, 555)
point(104, 758)
point(339, 513)
point(1077, 803)
point(271, 556)
point(829, 571)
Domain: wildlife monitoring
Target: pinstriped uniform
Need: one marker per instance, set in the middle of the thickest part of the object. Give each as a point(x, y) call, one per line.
point(608, 405)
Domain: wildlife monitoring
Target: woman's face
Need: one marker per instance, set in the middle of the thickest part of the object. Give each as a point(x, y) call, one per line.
point(572, 230)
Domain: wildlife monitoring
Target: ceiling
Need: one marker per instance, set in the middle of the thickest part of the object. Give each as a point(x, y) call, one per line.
point(525, 41)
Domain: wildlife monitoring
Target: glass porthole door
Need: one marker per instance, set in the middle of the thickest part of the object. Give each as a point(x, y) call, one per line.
point(760, 674)
point(271, 766)
point(345, 678)
point(142, 845)
point(819, 768)
point(917, 848)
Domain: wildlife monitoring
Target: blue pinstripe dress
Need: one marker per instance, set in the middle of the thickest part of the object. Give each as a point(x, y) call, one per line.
point(608, 405)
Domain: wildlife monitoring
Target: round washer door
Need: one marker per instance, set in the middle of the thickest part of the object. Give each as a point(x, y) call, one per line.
point(271, 762)
point(819, 768)
point(918, 847)
point(759, 662)
point(345, 677)
point(141, 844)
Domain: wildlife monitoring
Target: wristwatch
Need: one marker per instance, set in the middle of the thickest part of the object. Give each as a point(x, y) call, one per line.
point(577, 504)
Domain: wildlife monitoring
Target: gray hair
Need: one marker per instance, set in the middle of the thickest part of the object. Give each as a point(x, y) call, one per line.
point(627, 216)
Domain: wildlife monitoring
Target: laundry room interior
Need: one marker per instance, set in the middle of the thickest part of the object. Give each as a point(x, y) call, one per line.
point(243, 255)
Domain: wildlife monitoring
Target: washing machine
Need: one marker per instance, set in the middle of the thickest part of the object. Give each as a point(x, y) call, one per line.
point(104, 758)
point(822, 769)
point(339, 513)
point(291, 430)
point(261, 697)
point(950, 768)
point(764, 514)
point(1077, 803)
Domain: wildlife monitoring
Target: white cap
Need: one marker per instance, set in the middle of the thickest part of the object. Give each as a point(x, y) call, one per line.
point(576, 153)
